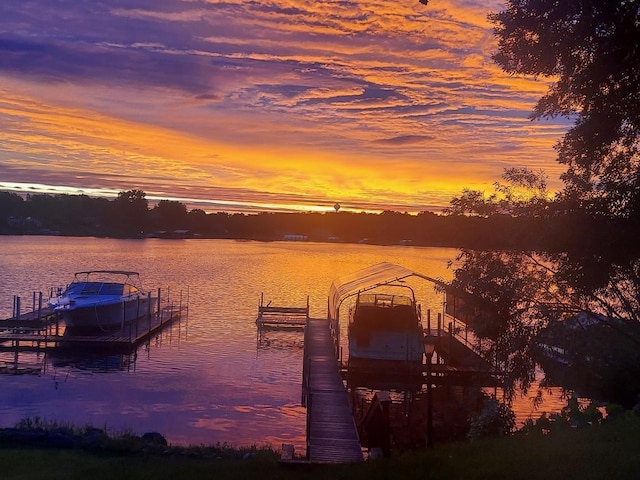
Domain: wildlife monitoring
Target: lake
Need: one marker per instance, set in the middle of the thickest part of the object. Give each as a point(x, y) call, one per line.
point(208, 378)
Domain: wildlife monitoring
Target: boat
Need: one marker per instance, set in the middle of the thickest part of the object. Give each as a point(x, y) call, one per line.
point(386, 326)
point(103, 300)
point(384, 332)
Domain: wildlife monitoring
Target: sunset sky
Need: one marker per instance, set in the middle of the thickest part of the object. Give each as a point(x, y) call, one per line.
point(263, 105)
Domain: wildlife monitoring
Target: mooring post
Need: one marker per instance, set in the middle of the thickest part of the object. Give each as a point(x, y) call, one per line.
point(158, 311)
point(17, 315)
point(39, 305)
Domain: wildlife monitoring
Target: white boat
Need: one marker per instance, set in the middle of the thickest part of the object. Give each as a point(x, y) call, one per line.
point(103, 300)
point(386, 326)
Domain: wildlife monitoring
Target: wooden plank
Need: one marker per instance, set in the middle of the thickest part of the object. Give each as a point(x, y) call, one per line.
point(299, 310)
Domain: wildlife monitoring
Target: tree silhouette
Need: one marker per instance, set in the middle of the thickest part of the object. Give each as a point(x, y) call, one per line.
point(589, 49)
point(129, 213)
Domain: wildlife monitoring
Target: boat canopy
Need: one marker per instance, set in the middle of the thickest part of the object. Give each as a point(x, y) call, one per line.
point(371, 277)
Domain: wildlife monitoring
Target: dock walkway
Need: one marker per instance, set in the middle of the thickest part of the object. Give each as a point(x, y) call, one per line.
point(332, 436)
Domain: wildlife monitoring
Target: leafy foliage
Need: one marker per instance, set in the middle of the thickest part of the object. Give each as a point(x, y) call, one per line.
point(494, 420)
point(512, 296)
point(591, 260)
point(589, 50)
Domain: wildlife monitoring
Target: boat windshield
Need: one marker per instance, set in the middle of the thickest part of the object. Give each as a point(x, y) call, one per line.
point(100, 288)
point(105, 282)
point(384, 300)
point(384, 312)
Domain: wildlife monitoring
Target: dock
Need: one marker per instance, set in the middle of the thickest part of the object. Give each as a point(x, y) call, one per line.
point(280, 318)
point(332, 429)
point(41, 329)
point(332, 435)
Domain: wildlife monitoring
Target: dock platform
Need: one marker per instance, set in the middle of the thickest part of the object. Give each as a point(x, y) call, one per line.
point(332, 435)
point(127, 337)
point(275, 317)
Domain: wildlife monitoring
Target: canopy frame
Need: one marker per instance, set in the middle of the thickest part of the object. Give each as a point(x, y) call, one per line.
point(384, 273)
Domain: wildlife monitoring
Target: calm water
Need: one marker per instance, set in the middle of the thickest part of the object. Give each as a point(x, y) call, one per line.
point(207, 379)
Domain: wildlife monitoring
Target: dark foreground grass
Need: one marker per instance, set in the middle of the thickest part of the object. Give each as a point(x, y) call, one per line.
point(607, 451)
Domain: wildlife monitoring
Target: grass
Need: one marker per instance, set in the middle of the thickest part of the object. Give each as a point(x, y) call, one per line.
point(609, 450)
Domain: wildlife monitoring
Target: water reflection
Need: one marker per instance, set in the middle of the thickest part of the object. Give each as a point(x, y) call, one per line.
point(91, 362)
point(292, 341)
point(212, 380)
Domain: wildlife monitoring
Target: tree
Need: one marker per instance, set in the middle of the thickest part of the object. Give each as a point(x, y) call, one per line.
point(170, 215)
point(590, 50)
point(513, 297)
point(130, 212)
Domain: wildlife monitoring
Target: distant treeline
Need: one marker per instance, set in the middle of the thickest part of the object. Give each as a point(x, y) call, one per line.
point(129, 216)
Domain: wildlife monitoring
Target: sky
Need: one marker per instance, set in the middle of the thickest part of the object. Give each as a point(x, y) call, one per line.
point(278, 105)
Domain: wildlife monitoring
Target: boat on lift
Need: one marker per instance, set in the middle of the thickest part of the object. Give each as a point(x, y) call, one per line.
point(386, 326)
point(103, 300)
point(385, 330)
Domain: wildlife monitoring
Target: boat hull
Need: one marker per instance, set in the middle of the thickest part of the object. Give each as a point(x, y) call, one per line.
point(387, 346)
point(107, 316)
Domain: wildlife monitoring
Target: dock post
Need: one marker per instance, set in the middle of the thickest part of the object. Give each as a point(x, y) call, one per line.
point(159, 312)
point(429, 320)
point(33, 302)
point(39, 305)
point(439, 322)
point(17, 315)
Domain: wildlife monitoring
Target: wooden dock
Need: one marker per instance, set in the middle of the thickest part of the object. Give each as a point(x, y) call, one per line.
point(280, 318)
point(332, 436)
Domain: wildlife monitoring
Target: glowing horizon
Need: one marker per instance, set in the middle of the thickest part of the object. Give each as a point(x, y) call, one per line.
point(290, 106)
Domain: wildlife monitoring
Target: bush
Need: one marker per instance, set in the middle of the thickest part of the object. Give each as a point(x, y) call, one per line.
point(494, 420)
